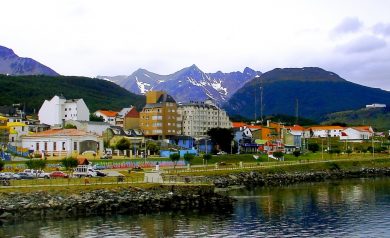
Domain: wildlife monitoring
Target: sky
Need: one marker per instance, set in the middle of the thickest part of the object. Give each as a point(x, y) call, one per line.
point(116, 37)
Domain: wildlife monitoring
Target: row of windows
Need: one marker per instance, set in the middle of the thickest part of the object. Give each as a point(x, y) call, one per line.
point(70, 109)
point(45, 146)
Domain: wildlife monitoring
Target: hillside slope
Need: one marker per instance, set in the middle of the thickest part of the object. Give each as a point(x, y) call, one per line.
point(378, 118)
point(318, 92)
point(97, 93)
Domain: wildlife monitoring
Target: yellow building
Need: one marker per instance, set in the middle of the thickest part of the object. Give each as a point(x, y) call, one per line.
point(4, 130)
point(158, 119)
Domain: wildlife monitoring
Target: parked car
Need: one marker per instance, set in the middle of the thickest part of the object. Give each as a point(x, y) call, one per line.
point(58, 174)
point(37, 173)
point(84, 171)
point(10, 175)
point(222, 153)
point(24, 175)
point(100, 174)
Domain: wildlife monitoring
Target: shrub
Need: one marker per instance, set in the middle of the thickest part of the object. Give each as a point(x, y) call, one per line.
point(313, 147)
point(297, 153)
point(175, 158)
point(123, 144)
point(188, 157)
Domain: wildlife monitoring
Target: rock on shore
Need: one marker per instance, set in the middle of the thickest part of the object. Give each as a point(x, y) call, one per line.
point(44, 205)
point(255, 178)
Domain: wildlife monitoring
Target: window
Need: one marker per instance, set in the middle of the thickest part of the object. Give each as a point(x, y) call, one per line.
point(45, 146)
point(37, 146)
point(63, 145)
point(54, 146)
point(74, 145)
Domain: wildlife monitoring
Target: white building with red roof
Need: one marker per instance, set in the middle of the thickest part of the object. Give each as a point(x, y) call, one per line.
point(357, 134)
point(64, 142)
point(108, 116)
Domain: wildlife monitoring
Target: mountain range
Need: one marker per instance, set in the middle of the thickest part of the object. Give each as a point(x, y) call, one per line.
point(188, 84)
point(310, 91)
point(12, 64)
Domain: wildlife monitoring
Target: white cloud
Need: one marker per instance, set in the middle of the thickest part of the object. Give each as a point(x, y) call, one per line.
point(98, 37)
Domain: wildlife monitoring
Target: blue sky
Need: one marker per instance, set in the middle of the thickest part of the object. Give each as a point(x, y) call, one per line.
point(95, 37)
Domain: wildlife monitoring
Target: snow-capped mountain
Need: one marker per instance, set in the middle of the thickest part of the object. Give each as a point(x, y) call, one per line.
point(188, 84)
point(12, 64)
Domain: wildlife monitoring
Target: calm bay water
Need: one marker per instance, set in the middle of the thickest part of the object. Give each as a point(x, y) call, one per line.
point(350, 208)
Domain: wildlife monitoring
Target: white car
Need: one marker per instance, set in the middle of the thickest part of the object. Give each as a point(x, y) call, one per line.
point(9, 175)
point(37, 173)
point(222, 153)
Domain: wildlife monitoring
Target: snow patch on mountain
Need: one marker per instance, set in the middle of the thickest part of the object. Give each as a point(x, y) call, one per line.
point(141, 86)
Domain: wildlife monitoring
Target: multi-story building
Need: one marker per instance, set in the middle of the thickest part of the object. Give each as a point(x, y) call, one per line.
point(59, 109)
point(158, 119)
point(196, 118)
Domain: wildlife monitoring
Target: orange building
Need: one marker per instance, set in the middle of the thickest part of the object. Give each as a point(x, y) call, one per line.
point(158, 119)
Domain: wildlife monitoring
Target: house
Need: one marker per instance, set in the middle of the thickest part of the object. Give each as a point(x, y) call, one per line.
point(323, 131)
point(16, 130)
point(107, 115)
point(63, 142)
point(59, 109)
point(131, 119)
point(357, 134)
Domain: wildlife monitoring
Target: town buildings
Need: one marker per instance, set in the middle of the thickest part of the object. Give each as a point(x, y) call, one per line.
point(107, 115)
point(196, 118)
point(59, 109)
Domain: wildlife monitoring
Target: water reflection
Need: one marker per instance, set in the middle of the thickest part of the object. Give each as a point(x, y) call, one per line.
point(353, 208)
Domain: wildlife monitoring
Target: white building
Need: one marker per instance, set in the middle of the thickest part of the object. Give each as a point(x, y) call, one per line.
point(357, 134)
point(108, 116)
point(196, 118)
point(63, 142)
point(56, 110)
point(323, 131)
point(95, 127)
point(16, 130)
point(376, 105)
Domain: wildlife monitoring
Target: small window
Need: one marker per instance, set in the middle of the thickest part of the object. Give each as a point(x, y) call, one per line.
point(74, 145)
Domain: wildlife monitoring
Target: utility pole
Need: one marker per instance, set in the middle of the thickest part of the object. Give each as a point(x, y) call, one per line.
point(296, 111)
point(261, 100)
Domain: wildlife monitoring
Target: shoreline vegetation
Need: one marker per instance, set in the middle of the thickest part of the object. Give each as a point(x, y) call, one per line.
point(17, 204)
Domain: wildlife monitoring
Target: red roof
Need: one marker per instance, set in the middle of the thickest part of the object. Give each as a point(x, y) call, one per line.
point(242, 124)
point(363, 128)
point(297, 128)
point(108, 113)
point(238, 124)
point(133, 113)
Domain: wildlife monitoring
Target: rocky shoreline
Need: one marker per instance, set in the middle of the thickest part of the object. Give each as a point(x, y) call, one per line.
point(16, 206)
point(255, 178)
point(44, 205)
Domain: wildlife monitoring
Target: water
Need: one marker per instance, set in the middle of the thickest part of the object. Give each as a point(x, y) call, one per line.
point(351, 208)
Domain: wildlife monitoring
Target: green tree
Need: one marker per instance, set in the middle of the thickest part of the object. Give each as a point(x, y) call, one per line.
point(175, 158)
point(207, 157)
point(69, 163)
point(152, 147)
point(349, 151)
point(222, 137)
point(94, 117)
point(278, 154)
point(36, 164)
point(123, 144)
point(70, 126)
point(297, 153)
point(313, 147)
point(188, 157)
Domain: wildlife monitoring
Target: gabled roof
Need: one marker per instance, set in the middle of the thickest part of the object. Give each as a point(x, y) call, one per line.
point(363, 128)
point(108, 113)
point(297, 128)
point(133, 113)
